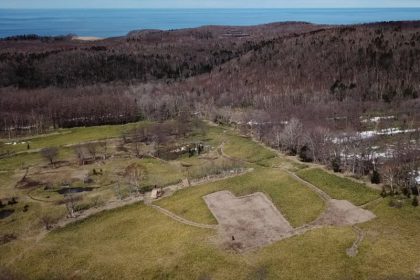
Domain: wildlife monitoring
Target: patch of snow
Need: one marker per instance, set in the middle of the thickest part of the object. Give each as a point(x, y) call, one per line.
point(15, 143)
point(369, 134)
point(378, 119)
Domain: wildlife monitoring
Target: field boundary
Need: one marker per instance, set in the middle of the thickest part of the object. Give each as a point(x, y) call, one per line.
point(182, 220)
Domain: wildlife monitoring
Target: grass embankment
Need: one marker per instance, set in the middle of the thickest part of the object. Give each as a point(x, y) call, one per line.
point(296, 202)
point(338, 187)
point(68, 136)
point(137, 242)
point(245, 149)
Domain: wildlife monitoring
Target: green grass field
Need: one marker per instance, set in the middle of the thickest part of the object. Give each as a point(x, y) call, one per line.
point(296, 202)
point(69, 136)
point(245, 149)
point(338, 187)
point(137, 242)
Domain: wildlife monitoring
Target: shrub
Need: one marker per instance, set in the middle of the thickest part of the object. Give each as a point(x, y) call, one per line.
point(146, 189)
point(375, 178)
point(395, 203)
point(13, 201)
point(415, 201)
point(336, 164)
point(48, 220)
point(383, 192)
point(6, 238)
point(97, 201)
point(305, 154)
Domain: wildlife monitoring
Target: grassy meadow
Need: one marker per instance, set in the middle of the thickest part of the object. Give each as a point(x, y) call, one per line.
point(338, 187)
point(138, 242)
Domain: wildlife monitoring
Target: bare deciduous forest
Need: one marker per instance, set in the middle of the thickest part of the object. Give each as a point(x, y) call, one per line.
point(321, 92)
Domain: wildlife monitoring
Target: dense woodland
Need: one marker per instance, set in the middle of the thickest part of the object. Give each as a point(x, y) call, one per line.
point(295, 86)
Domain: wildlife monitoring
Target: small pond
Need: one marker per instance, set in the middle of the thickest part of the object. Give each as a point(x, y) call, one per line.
point(74, 190)
point(6, 213)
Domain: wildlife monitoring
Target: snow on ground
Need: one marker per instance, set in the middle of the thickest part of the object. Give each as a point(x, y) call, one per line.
point(386, 131)
point(14, 143)
point(370, 134)
point(378, 119)
point(388, 153)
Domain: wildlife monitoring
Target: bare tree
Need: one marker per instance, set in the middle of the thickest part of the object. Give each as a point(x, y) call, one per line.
point(70, 200)
point(92, 149)
point(48, 221)
point(50, 154)
point(291, 135)
point(135, 174)
point(390, 173)
point(83, 154)
point(104, 149)
point(80, 154)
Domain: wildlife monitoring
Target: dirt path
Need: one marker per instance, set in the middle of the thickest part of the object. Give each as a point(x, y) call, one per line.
point(336, 213)
point(371, 202)
point(114, 204)
point(182, 220)
point(223, 154)
point(354, 249)
point(323, 195)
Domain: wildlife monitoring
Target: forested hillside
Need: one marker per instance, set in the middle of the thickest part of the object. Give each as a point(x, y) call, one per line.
point(277, 70)
point(141, 56)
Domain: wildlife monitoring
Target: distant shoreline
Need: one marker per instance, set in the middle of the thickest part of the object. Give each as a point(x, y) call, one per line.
point(204, 9)
point(87, 38)
point(105, 23)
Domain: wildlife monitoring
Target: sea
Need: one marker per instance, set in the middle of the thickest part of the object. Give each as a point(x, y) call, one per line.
point(117, 22)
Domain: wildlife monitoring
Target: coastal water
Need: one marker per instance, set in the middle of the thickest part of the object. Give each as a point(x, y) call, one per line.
point(117, 22)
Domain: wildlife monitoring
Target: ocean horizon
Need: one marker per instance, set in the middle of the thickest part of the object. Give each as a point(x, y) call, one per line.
point(118, 22)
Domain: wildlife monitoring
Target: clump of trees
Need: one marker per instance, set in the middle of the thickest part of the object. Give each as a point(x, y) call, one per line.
point(136, 174)
point(163, 136)
point(91, 151)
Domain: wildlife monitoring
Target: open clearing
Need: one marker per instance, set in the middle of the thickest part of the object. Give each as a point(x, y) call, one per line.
point(343, 213)
point(253, 221)
point(246, 222)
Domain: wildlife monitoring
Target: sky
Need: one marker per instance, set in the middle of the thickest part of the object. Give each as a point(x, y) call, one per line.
point(45, 4)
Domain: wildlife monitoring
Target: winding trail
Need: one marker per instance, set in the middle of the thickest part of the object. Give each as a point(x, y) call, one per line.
point(371, 202)
point(182, 220)
point(323, 195)
point(170, 190)
point(354, 249)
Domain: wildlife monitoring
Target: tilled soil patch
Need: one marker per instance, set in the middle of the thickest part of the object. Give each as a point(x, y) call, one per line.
point(247, 222)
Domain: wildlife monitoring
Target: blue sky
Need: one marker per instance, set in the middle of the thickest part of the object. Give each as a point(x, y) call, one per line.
point(33, 4)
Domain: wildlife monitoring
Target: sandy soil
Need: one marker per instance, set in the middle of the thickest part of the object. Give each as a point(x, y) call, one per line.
point(247, 222)
point(86, 38)
point(344, 213)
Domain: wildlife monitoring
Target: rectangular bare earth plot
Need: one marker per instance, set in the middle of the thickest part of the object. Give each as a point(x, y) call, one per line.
point(247, 222)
